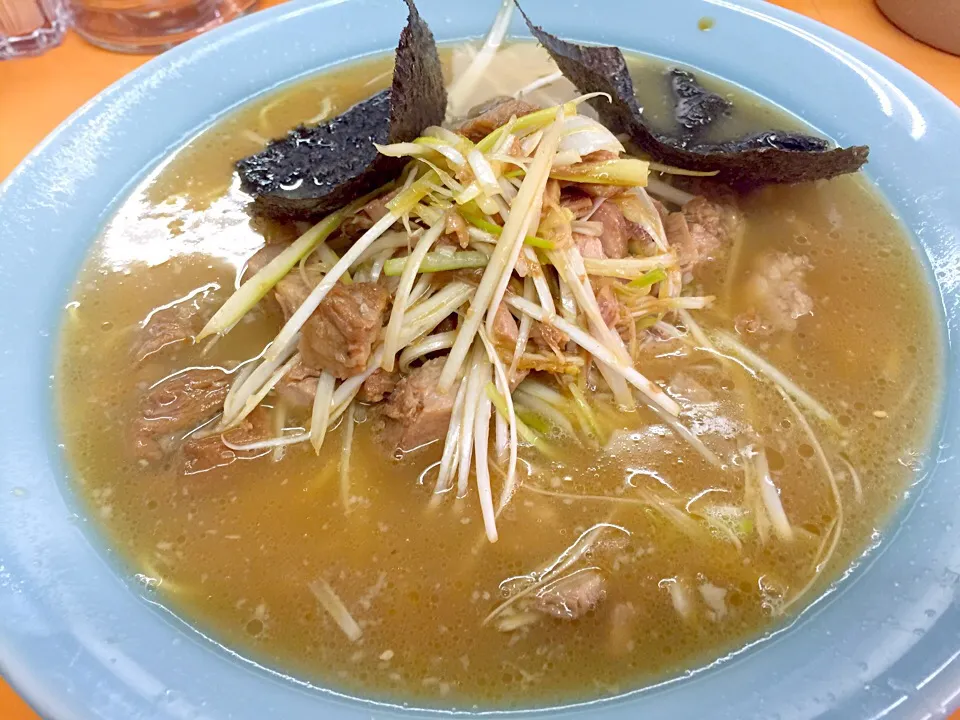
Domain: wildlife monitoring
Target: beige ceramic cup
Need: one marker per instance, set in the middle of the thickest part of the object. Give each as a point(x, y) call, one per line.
point(935, 22)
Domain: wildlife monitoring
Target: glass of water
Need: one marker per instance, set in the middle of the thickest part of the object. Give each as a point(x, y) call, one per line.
point(147, 26)
point(29, 27)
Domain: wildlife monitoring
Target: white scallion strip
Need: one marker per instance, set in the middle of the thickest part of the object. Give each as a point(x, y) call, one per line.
point(348, 388)
point(601, 353)
point(568, 304)
point(678, 597)
point(506, 189)
point(376, 268)
point(461, 91)
point(425, 316)
point(405, 149)
point(854, 478)
point(243, 373)
point(539, 83)
point(431, 343)
point(627, 268)
point(547, 411)
point(544, 295)
point(451, 444)
point(346, 448)
point(493, 284)
point(501, 438)
point(388, 241)
point(649, 218)
point(438, 262)
point(758, 364)
point(771, 497)
point(596, 206)
point(834, 490)
point(573, 270)
point(486, 177)
point(274, 443)
point(407, 278)
point(444, 147)
point(685, 433)
point(668, 192)
point(503, 386)
point(570, 264)
point(448, 136)
point(564, 159)
point(481, 433)
point(584, 135)
point(523, 335)
point(671, 170)
point(549, 395)
point(529, 143)
point(338, 611)
point(247, 400)
point(320, 417)
point(420, 290)
point(470, 402)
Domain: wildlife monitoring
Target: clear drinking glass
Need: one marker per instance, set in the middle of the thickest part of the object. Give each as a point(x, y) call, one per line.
point(146, 26)
point(28, 27)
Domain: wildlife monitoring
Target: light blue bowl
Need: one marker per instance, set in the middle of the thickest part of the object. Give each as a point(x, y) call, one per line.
point(79, 641)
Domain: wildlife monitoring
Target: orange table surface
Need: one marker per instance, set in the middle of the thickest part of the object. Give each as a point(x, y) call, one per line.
point(36, 94)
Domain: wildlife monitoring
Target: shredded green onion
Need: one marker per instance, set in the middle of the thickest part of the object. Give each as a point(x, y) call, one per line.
point(534, 121)
point(627, 268)
point(533, 420)
point(524, 430)
point(478, 222)
point(671, 170)
point(254, 289)
point(628, 172)
point(438, 262)
point(651, 277)
point(585, 412)
point(405, 201)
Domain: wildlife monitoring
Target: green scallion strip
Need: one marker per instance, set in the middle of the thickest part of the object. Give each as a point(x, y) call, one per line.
point(651, 277)
point(533, 420)
point(585, 412)
point(533, 121)
point(478, 222)
point(647, 322)
point(439, 262)
point(628, 172)
point(405, 201)
point(254, 289)
point(523, 430)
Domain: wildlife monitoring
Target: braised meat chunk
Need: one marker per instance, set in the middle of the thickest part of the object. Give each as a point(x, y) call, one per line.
point(340, 334)
point(417, 413)
point(179, 403)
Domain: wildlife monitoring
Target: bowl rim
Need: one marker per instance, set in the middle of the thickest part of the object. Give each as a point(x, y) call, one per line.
point(36, 199)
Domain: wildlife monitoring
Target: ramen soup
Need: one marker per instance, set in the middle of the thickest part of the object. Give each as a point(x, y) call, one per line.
point(496, 463)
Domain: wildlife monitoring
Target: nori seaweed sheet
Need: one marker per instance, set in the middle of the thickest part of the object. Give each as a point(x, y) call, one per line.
point(696, 108)
point(316, 170)
point(770, 157)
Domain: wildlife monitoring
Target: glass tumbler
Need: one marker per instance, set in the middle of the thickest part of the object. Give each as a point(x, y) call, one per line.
point(29, 27)
point(147, 26)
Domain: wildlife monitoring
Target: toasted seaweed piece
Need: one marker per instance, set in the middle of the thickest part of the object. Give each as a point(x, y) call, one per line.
point(771, 157)
point(696, 107)
point(315, 170)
